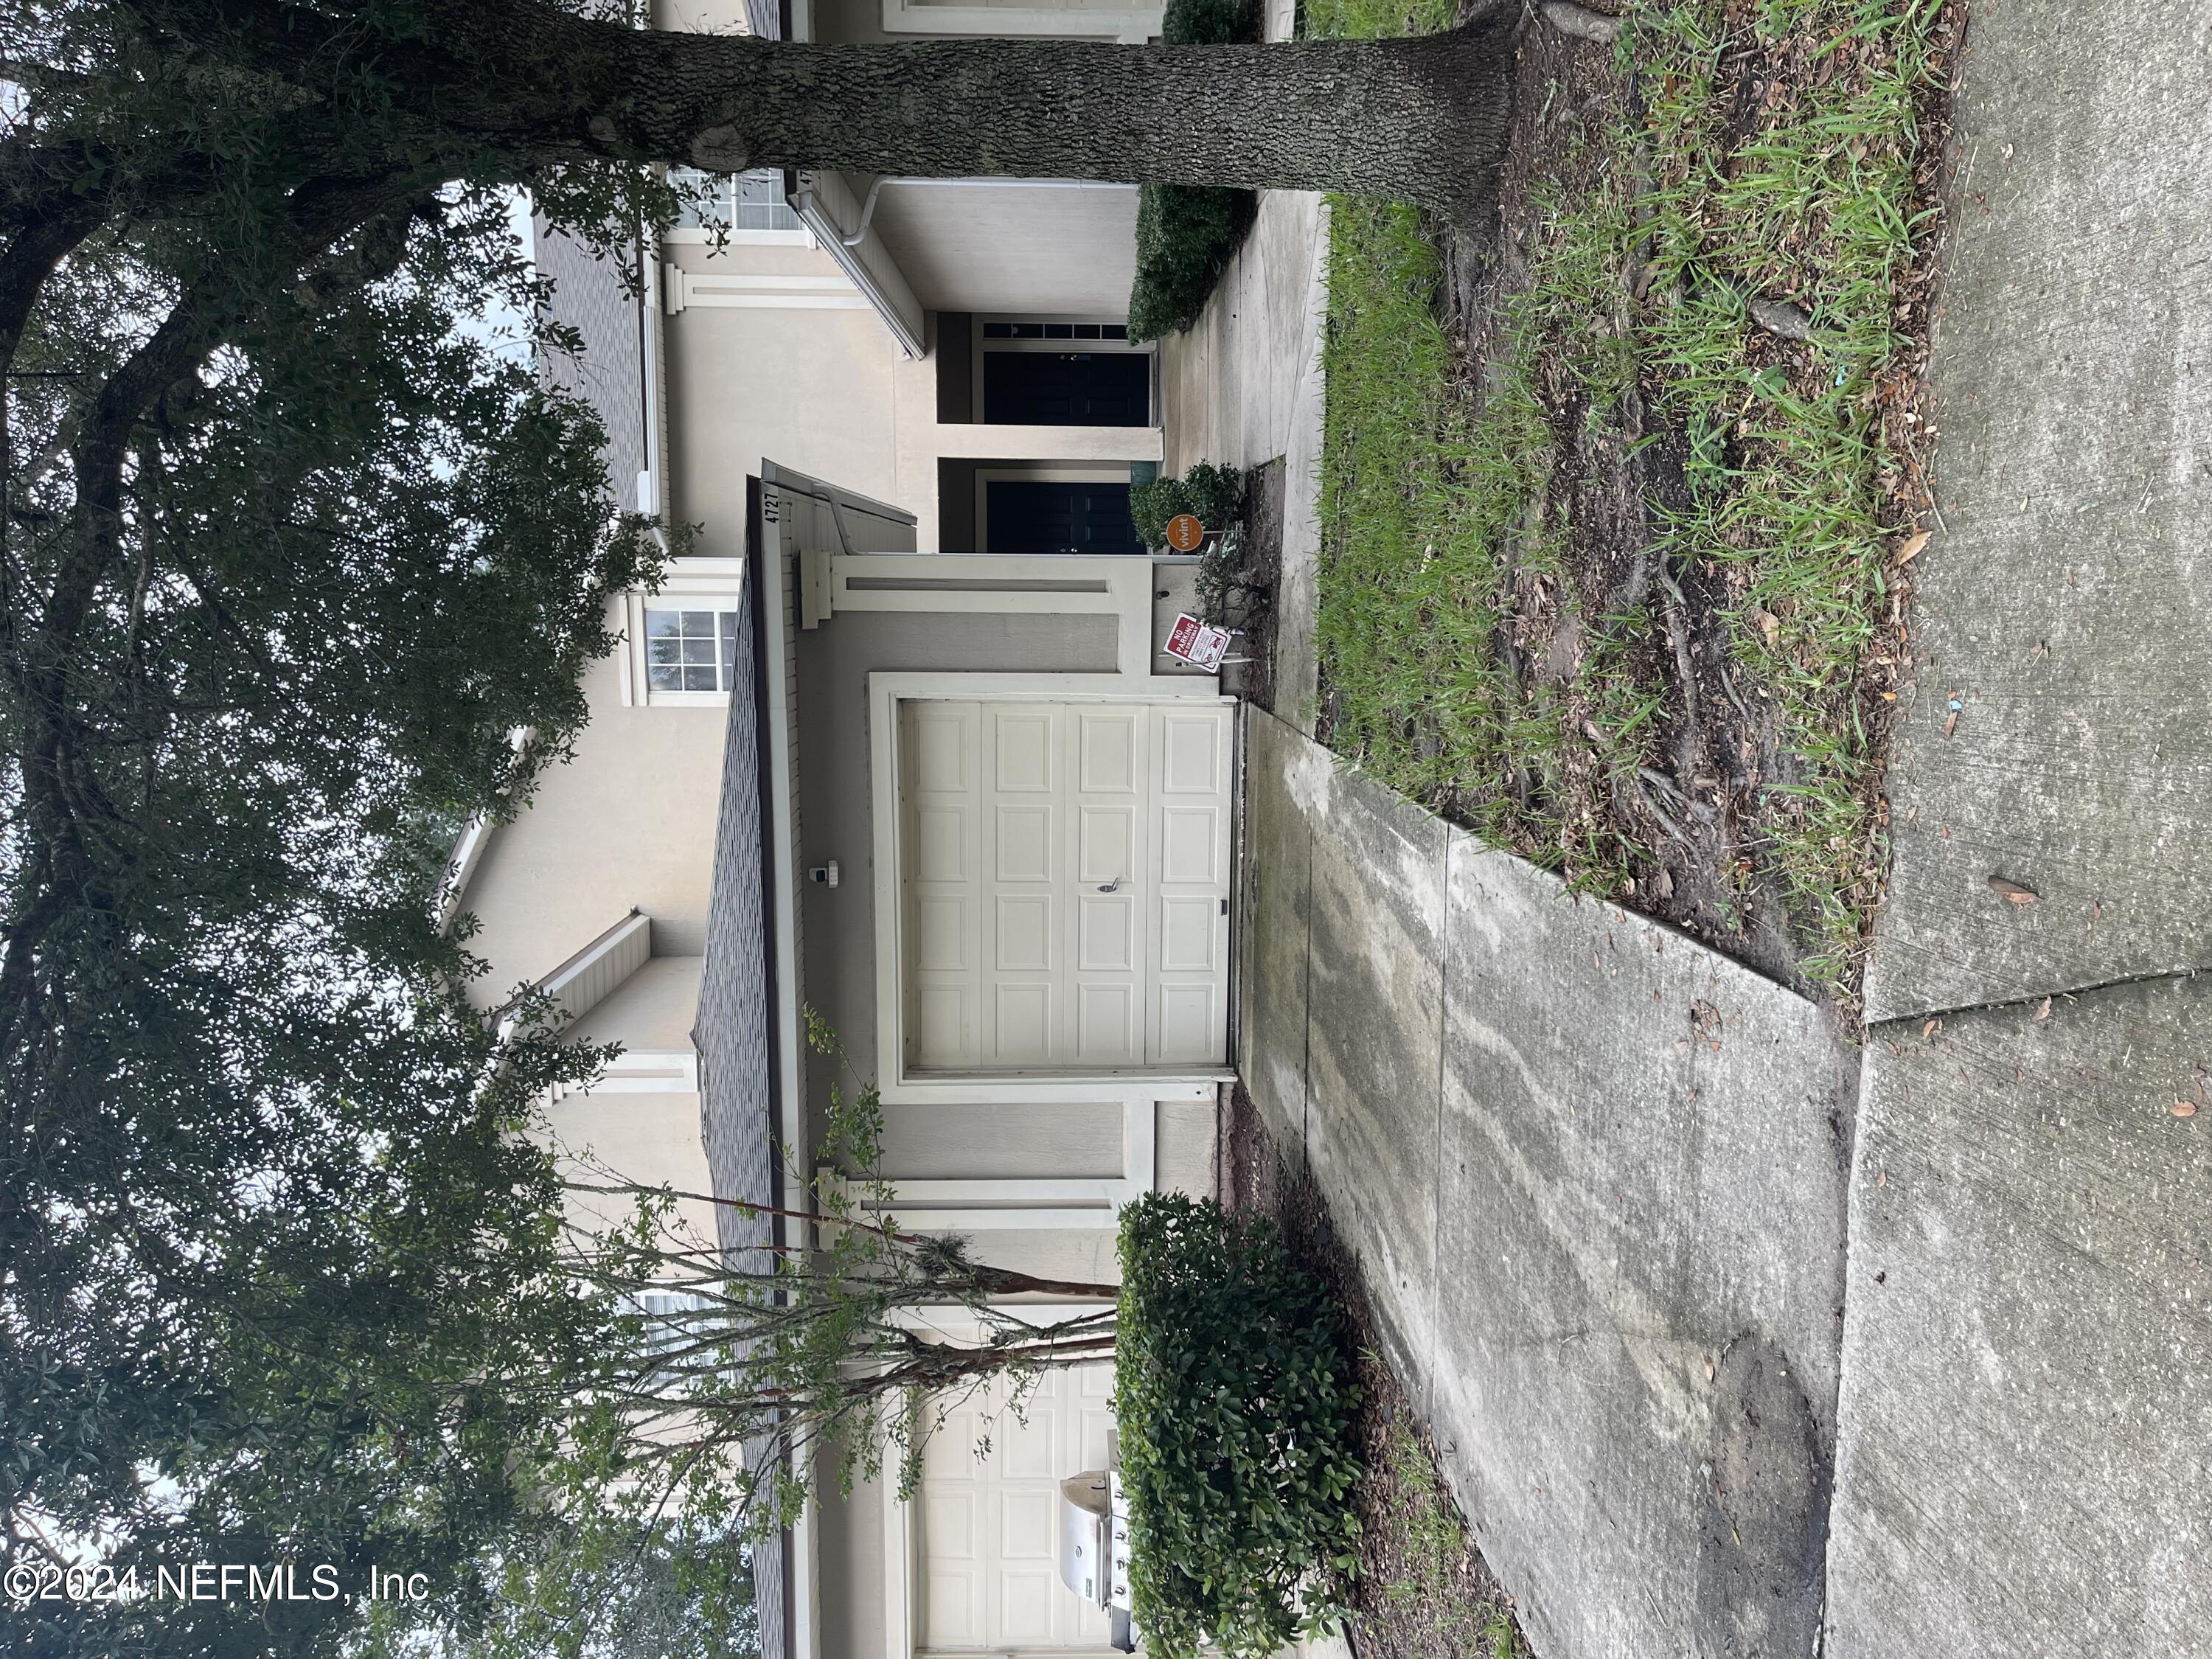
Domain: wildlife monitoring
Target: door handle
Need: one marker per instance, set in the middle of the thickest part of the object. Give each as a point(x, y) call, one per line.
point(1113, 886)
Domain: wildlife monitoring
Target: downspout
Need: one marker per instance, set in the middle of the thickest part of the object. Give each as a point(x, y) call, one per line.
point(808, 202)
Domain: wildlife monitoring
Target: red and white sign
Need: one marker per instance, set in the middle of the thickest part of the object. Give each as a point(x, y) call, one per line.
point(1194, 641)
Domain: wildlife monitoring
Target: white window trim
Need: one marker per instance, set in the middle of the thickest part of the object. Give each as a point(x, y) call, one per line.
point(885, 692)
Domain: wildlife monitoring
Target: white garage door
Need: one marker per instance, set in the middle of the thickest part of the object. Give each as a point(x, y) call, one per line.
point(1064, 870)
point(990, 1517)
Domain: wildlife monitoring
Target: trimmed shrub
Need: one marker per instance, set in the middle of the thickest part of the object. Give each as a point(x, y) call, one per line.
point(1209, 22)
point(1186, 234)
point(1216, 494)
point(1234, 1394)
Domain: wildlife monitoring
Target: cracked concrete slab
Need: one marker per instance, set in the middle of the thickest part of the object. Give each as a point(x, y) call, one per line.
point(2028, 1345)
point(2065, 603)
point(1593, 1174)
point(1375, 1015)
point(2022, 1469)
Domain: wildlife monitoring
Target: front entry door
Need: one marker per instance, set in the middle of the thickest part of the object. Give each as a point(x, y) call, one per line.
point(1067, 388)
point(1064, 885)
point(1058, 515)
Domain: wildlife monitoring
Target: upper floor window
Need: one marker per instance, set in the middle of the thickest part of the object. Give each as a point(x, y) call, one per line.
point(736, 202)
point(690, 650)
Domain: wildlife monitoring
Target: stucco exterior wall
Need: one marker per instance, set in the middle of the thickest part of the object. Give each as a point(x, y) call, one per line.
point(628, 821)
point(652, 1009)
point(651, 1139)
point(1043, 247)
point(825, 393)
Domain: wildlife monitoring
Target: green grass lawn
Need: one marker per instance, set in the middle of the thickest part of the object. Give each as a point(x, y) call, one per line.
point(1664, 222)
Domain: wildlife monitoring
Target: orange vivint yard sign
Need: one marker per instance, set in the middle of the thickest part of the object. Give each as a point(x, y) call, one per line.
point(1185, 533)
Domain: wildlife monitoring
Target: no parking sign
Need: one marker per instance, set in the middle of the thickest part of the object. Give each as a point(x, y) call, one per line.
point(1194, 642)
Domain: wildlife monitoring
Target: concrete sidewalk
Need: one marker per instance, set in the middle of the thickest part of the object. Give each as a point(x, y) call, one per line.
point(2028, 1347)
point(1593, 1176)
point(1244, 387)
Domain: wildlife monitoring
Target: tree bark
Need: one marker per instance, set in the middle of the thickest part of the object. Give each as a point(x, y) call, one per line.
point(1422, 119)
point(1417, 119)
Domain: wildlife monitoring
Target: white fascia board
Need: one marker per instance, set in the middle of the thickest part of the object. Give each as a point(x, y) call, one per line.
point(593, 974)
point(460, 865)
point(822, 200)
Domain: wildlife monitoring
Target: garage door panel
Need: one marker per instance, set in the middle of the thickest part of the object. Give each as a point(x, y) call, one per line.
point(1025, 849)
point(1023, 749)
point(941, 934)
point(1188, 838)
point(1025, 1602)
point(1194, 748)
point(1024, 1026)
point(943, 739)
point(1107, 845)
point(1187, 1023)
point(941, 838)
point(1106, 933)
point(1108, 742)
point(943, 1024)
point(998, 1588)
point(1187, 934)
point(1107, 1016)
point(1024, 932)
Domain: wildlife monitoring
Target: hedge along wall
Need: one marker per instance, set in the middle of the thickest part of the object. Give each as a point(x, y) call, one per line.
point(1234, 1394)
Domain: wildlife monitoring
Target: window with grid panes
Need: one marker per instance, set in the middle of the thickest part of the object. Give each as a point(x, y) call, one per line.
point(744, 201)
point(690, 650)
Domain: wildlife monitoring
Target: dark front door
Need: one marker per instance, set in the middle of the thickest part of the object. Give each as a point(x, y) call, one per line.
point(1058, 516)
point(1067, 388)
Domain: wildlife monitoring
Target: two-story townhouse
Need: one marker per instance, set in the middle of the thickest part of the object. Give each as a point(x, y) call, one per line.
point(921, 766)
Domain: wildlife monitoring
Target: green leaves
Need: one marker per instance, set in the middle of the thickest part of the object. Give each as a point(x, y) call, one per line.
point(1235, 1398)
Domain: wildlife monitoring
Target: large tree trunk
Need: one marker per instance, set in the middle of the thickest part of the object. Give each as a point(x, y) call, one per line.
point(1423, 120)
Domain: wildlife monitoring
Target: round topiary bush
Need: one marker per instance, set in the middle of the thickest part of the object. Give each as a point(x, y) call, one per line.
point(1235, 1397)
point(1215, 494)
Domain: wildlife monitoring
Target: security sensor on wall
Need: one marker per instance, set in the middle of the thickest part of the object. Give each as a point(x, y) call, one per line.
point(823, 875)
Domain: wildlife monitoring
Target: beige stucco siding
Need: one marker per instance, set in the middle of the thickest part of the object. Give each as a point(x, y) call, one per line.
point(825, 393)
point(649, 1138)
point(652, 1009)
point(628, 821)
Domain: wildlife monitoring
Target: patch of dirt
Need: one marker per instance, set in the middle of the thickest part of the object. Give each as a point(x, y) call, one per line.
point(1423, 1590)
point(1719, 746)
point(1259, 570)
